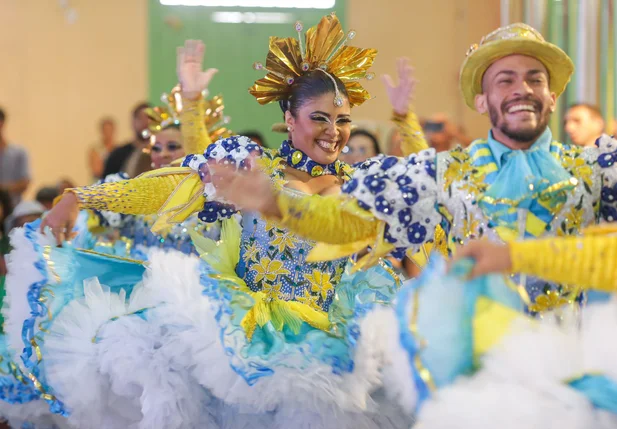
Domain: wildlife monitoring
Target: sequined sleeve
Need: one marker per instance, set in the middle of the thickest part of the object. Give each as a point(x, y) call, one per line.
point(587, 261)
point(109, 218)
point(402, 192)
point(412, 137)
point(142, 195)
point(607, 160)
point(194, 132)
point(327, 219)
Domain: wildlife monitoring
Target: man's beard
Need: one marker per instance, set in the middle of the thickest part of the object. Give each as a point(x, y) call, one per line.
point(520, 136)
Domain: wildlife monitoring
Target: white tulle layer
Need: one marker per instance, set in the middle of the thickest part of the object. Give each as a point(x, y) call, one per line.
point(167, 368)
point(21, 274)
point(312, 398)
point(522, 381)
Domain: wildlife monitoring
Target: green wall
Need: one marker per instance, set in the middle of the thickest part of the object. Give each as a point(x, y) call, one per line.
point(231, 48)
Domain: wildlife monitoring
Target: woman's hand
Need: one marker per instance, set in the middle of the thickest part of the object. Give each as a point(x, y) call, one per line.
point(61, 219)
point(402, 94)
point(189, 67)
point(247, 190)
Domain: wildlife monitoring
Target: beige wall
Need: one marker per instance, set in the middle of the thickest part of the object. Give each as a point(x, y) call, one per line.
point(57, 79)
point(435, 35)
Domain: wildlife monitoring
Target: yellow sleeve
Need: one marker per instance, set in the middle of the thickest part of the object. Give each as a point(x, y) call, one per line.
point(142, 195)
point(194, 132)
point(412, 137)
point(327, 219)
point(587, 261)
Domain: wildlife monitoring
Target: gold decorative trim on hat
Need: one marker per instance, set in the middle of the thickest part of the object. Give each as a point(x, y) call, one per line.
point(168, 115)
point(324, 48)
point(514, 39)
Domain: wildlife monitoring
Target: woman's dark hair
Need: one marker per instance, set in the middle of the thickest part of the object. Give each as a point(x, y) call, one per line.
point(368, 134)
point(7, 208)
point(309, 86)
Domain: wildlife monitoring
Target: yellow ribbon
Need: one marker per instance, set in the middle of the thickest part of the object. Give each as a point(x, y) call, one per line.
point(185, 200)
point(379, 249)
point(281, 313)
point(330, 252)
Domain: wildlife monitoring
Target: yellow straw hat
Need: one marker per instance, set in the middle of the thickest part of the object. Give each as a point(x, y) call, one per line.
point(514, 39)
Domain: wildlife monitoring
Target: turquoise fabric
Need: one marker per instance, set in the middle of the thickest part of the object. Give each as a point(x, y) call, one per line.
point(600, 390)
point(498, 150)
point(532, 180)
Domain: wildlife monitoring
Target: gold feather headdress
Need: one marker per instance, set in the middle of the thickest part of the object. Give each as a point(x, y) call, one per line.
point(168, 115)
point(324, 48)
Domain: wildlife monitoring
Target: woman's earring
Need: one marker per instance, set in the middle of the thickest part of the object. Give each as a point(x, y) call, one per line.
point(152, 165)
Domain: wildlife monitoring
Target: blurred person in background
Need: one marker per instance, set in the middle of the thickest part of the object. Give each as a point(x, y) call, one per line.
point(442, 135)
point(25, 212)
point(362, 145)
point(14, 167)
point(5, 212)
point(129, 158)
point(46, 196)
point(584, 124)
point(99, 151)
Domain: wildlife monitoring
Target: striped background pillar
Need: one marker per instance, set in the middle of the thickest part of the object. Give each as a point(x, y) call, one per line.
point(586, 30)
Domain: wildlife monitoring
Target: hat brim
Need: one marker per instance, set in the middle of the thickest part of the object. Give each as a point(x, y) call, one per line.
point(556, 61)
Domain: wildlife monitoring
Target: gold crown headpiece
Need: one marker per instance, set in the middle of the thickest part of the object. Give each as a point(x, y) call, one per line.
point(324, 48)
point(168, 115)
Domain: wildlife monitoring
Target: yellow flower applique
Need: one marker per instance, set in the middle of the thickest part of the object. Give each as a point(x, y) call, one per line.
point(550, 300)
point(268, 270)
point(320, 282)
point(283, 240)
point(251, 252)
point(580, 169)
point(456, 171)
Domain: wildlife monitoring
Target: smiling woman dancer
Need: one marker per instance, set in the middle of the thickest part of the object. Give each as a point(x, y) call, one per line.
point(254, 335)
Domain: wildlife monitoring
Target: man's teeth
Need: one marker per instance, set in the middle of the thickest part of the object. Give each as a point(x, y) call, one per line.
point(521, 107)
point(328, 146)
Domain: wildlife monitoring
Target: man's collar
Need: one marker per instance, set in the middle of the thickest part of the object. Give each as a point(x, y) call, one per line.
point(498, 150)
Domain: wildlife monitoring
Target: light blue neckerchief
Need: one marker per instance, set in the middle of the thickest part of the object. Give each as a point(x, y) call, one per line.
point(531, 180)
